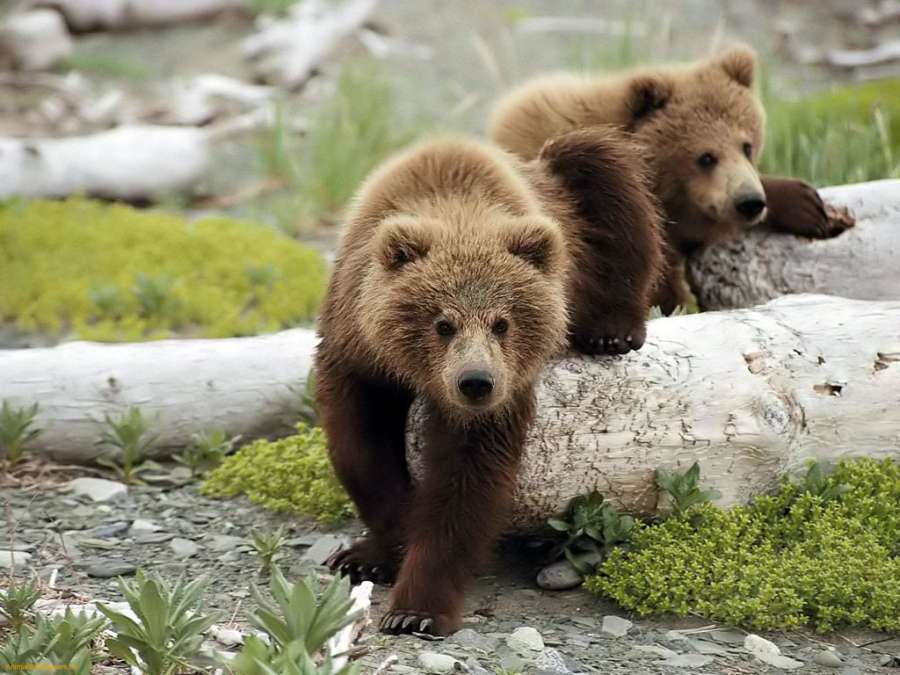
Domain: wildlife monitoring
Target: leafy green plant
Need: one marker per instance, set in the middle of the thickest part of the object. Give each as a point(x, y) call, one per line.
point(16, 430)
point(684, 488)
point(292, 474)
point(268, 547)
point(269, 7)
point(74, 635)
point(128, 434)
point(73, 268)
point(825, 559)
point(817, 483)
point(593, 526)
point(25, 647)
point(206, 451)
point(17, 601)
point(168, 632)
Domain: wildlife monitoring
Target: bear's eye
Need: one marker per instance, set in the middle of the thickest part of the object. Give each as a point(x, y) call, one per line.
point(444, 328)
point(707, 160)
point(748, 150)
point(500, 327)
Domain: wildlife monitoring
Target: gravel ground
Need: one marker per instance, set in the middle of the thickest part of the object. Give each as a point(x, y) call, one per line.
point(174, 530)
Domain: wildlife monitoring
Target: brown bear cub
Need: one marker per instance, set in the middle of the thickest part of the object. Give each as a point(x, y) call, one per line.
point(701, 129)
point(461, 272)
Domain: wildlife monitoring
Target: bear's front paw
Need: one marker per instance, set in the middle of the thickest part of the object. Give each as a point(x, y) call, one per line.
point(610, 339)
point(366, 560)
point(408, 621)
point(795, 207)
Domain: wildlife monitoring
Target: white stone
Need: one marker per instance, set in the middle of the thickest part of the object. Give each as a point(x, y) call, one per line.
point(438, 664)
point(183, 548)
point(98, 489)
point(525, 638)
point(615, 625)
point(141, 525)
point(768, 652)
point(9, 559)
point(550, 661)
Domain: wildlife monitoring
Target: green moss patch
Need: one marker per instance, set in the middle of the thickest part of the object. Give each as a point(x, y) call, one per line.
point(787, 560)
point(114, 273)
point(292, 475)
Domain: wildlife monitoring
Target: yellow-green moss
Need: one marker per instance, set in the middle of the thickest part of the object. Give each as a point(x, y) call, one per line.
point(292, 475)
point(112, 272)
point(783, 561)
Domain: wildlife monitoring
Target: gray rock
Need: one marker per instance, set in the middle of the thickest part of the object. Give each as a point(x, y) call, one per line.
point(98, 489)
point(324, 547)
point(651, 650)
point(889, 660)
point(706, 647)
point(509, 660)
point(615, 625)
point(184, 548)
point(550, 661)
point(731, 637)
point(140, 525)
point(10, 559)
point(438, 664)
point(225, 542)
point(560, 576)
point(828, 658)
point(109, 530)
point(687, 661)
point(106, 569)
point(470, 639)
point(525, 639)
point(154, 537)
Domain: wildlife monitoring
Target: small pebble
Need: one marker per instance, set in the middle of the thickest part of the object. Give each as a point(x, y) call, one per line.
point(525, 638)
point(828, 658)
point(10, 559)
point(560, 576)
point(109, 569)
point(183, 548)
point(438, 664)
point(324, 547)
point(98, 489)
point(615, 625)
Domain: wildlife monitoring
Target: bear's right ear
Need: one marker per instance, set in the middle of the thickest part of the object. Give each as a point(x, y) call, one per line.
point(537, 243)
point(647, 94)
point(402, 240)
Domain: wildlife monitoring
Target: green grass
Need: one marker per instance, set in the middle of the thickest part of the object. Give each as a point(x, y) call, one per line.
point(269, 7)
point(292, 475)
point(842, 135)
point(113, 66)
point(349, 134)
point(823, 555)
point(114, 273)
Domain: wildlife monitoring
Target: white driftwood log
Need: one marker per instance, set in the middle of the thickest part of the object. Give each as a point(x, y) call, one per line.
point(288, 51)
point(129, 163)
point(249, 386)
point(861, 263)
point(750, 394)
point(90, 15)
point(34, 40)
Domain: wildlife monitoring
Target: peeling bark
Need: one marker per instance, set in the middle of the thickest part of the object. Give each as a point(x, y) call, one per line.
point(861, 263)
point(750, 394)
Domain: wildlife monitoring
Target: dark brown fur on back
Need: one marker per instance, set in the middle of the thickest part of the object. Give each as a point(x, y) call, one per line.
point(459, 259)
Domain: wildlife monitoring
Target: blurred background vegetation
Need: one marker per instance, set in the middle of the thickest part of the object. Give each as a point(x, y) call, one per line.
point(413, 69)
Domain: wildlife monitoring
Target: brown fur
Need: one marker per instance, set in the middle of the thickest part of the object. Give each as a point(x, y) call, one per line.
point(675, 114)
point(460, 234)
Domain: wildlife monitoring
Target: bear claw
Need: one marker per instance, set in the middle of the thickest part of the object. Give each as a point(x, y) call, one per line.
point(357, 563)
point(399, 622)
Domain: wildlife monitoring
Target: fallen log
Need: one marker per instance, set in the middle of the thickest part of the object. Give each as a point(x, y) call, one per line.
point(862, 263)
point(750, 394)
point(249, 386)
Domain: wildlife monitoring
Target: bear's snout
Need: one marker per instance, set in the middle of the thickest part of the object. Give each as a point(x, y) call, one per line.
point(475, 385)
point(750, 205)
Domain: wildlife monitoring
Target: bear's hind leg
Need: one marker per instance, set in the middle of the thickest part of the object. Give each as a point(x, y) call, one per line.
point(365, 423)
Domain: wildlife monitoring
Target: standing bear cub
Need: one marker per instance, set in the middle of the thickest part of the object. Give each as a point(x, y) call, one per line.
point(700, 127)
point(461, 272)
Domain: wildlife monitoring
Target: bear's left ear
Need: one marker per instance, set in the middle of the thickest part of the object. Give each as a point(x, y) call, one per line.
point(739, 64)
point(402, 240)
point(647, 94)
point(537, 242)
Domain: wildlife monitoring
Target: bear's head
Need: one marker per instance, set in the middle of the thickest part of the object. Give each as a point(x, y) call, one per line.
point(702, 127)
point(468, 312)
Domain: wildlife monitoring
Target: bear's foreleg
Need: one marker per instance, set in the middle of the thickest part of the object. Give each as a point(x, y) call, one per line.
point(365, 420)
point(795, 207)
point(616, 243)
point(458, 511)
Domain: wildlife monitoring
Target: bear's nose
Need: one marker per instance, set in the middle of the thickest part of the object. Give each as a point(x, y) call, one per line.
point(475, 385)
point(750, 206)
